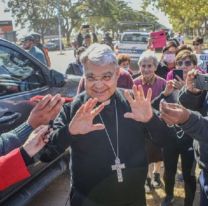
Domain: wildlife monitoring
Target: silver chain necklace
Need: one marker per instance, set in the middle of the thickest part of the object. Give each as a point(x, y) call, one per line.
point(118, 166)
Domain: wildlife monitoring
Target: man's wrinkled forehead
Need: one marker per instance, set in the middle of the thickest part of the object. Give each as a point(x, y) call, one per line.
point(93, 69)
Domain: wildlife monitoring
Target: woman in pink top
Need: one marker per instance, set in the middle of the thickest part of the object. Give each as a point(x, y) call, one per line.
point(186, 60)
point(148, 79)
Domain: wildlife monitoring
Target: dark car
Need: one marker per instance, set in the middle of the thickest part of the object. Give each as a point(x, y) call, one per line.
point(53, 45)
point(22, 77)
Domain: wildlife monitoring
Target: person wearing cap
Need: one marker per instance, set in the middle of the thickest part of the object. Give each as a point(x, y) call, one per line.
point(38, 44)
point(167, 62)
point(29, 44)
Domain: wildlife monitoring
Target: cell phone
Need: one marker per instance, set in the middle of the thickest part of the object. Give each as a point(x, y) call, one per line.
point(201, 81)
point(177, 72)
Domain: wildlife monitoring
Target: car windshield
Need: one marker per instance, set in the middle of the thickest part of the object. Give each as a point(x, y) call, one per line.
point(135, 38)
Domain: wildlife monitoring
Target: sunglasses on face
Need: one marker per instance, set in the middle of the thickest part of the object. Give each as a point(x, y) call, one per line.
point(195, 44)
point(185, 63)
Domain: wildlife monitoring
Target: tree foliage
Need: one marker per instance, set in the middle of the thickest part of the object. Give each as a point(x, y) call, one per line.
point(184, 15)
point(41, 15)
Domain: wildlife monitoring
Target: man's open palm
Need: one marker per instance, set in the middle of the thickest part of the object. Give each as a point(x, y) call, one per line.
point(141, 109)
point(82, 122)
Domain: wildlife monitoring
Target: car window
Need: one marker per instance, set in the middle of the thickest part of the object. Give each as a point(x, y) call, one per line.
point(17, 72)
point(136, 37)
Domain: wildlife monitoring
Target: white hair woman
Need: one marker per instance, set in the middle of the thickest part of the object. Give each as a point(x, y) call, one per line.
point(148, 79)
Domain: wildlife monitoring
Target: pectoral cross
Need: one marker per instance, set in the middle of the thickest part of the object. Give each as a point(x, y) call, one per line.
point(118, 166)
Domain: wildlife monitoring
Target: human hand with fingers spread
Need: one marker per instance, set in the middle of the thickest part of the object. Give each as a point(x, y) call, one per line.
point(141, 109)
point(82, 122)
point(45, 110)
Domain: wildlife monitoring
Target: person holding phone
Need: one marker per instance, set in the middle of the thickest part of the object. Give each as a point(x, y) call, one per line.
point(194, 124)
point(185, 61)
point(182, 144)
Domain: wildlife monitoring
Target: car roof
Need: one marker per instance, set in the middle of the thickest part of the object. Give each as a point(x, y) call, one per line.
point(135, 32)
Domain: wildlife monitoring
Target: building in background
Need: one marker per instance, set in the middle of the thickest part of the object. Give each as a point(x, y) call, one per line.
point(7, 31)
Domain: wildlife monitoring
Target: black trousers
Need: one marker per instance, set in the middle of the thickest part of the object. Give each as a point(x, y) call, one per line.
point(171, 154)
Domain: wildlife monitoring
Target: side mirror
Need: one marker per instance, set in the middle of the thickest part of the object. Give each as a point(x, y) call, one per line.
point(56, 78)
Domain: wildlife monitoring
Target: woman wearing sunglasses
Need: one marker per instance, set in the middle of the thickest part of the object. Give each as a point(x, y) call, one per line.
point(185, 61)
point(182, 144)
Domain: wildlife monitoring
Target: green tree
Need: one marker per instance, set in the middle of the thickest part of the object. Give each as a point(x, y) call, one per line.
point(36, 14)
point(184, 15)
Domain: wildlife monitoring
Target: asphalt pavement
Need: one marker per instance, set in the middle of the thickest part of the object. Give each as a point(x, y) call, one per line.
point(60, 61)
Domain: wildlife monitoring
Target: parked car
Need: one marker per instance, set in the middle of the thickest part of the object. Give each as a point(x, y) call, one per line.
point(22, 77)
point(53, 45)
point(133, 43)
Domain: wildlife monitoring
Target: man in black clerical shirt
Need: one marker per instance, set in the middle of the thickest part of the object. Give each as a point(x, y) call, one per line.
point(106, 129)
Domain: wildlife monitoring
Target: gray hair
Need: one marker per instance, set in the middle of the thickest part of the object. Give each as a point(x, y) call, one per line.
point(148, 55)
point(99, 54)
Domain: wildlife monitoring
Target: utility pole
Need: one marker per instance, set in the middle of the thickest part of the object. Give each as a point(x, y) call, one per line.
point(59, 26)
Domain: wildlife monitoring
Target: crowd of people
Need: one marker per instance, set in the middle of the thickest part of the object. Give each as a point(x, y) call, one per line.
point(118, 125)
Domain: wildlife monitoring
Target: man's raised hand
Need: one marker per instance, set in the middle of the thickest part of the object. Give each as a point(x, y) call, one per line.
point(82, 122)
point(45, 110)
point(141, 109)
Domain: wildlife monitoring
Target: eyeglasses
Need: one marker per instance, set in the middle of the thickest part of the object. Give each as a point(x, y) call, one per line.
point(149, 66)
point(195, 44)
point(105, 77)
point(184, 63)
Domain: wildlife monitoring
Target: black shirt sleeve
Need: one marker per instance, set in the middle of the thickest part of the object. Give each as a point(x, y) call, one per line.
point(60, 139)
point(27, 159)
